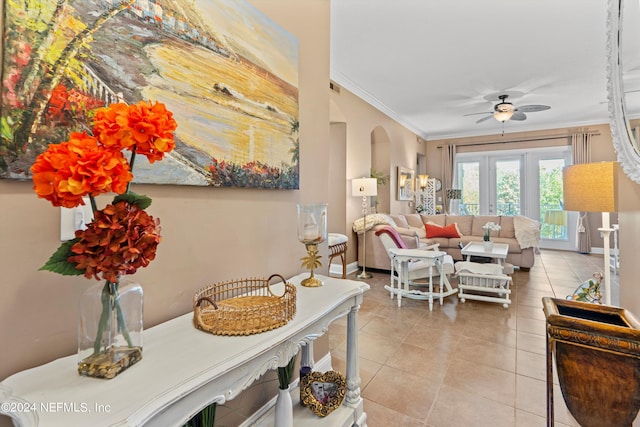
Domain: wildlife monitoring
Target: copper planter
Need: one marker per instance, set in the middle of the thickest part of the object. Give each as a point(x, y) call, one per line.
point(597, 355)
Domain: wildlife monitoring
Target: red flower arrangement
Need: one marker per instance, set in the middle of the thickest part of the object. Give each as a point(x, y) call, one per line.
point(122, 237)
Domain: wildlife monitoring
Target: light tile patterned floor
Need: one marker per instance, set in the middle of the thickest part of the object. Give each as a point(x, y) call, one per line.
point(471, 364)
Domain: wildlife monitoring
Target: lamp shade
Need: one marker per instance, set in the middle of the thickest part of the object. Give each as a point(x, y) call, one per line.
point(364, 187)
point(591, 187)
point(422, 181)
point(502, 116)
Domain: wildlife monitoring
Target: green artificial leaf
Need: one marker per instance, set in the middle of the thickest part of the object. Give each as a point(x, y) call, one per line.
point(143, 202)
point(58, 262)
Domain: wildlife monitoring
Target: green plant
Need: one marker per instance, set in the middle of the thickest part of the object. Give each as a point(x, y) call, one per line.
point(285, 373)
point(381, 177)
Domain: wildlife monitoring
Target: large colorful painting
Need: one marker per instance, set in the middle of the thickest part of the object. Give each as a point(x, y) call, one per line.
point(227, 72)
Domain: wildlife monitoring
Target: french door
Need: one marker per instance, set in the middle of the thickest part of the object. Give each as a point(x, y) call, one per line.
point(519, 182)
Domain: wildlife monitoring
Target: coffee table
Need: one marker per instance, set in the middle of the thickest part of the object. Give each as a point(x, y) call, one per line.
point(473, 283)
point(498, 251)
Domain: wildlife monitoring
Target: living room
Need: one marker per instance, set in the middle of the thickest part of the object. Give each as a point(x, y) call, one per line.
point(216, 234)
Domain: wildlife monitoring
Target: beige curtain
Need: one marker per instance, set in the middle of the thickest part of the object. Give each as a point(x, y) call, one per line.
point(581, 150)
point(448, 171)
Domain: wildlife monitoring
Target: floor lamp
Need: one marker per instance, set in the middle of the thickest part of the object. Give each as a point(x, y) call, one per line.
point(593, 187)
point(364, 187)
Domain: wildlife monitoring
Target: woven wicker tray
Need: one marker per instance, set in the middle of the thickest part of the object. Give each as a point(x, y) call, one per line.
point(243, 307)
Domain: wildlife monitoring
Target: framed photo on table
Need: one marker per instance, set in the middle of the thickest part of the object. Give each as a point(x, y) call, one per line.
point(323, 393)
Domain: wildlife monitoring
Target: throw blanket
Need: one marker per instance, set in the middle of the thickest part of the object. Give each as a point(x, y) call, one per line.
point(527, 231)
point(476, 268)
point(374, 219)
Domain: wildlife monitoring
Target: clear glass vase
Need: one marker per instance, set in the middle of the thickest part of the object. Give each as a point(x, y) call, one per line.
point(110, 328)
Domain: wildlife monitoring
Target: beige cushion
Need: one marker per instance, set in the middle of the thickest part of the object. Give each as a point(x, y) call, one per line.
point(514, 247)
point(463, 222)
point(400, 221)
point(507, 228)
point(480, 221)
point(422, 232)
point(436, 219)
point(336, 239)
point(414, 220)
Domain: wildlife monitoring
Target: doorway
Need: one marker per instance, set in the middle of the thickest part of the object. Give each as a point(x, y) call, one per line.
point(519, 182)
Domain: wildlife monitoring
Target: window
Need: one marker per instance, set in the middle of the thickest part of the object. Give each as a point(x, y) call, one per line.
point(519, 182)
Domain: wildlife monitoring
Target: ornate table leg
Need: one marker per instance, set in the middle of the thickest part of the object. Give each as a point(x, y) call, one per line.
point(353, 366)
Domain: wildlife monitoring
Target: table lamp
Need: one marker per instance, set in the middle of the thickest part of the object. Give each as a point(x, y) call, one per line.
point(593, 187)
point(364, 187)
point(312, 229)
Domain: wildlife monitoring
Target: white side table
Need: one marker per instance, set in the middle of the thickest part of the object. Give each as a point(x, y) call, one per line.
point(402, 257)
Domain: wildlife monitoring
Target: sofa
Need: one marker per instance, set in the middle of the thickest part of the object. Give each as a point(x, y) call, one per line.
point(522, 234)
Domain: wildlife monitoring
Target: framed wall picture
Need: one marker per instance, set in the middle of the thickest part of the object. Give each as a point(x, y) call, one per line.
point(405, 183)
point(227, 72)
point(323, 393)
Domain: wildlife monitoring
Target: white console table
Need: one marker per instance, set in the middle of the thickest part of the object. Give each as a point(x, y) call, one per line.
point(184, 369)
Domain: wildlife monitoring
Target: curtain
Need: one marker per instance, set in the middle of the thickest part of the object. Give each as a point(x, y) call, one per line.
point(448, 172)
point(581, 151)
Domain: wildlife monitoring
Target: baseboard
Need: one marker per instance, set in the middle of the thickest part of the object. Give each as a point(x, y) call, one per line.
point(321, 365)
point(336, 269)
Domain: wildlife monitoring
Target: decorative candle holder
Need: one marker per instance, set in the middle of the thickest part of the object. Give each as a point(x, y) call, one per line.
point(312, 229)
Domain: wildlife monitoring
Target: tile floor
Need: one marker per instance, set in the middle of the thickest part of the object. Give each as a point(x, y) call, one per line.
point(471, 364)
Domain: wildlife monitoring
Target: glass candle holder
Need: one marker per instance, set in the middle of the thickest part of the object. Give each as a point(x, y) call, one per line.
point(312, 230)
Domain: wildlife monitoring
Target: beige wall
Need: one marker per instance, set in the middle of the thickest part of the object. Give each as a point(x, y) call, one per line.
point(367, 127)
point(209, 234)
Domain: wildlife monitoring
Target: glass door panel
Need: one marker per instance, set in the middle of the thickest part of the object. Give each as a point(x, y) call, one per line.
point(468, 180)
point(557, 226)
point(505, 199)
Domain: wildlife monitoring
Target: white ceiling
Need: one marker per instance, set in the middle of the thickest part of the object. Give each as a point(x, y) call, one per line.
point(427, 63)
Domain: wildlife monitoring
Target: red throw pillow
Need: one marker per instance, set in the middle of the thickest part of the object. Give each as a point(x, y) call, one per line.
point(449, 231)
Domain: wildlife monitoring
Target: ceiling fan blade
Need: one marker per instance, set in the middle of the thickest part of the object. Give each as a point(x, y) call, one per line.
point(518, 115)
point(475, 114)
point(485, 118)
point(532, 108)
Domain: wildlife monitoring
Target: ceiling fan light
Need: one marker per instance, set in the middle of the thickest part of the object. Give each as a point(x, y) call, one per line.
point(503, 116)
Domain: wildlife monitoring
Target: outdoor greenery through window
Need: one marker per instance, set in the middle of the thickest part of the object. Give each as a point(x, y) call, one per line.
point(508, 187)
point(516, 182)
point(553, 218)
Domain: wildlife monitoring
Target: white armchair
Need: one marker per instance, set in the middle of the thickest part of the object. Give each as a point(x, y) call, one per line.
point(418, 269)
point(412, 265)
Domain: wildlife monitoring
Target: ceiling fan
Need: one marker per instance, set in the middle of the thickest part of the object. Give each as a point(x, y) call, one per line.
point(504, 111)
